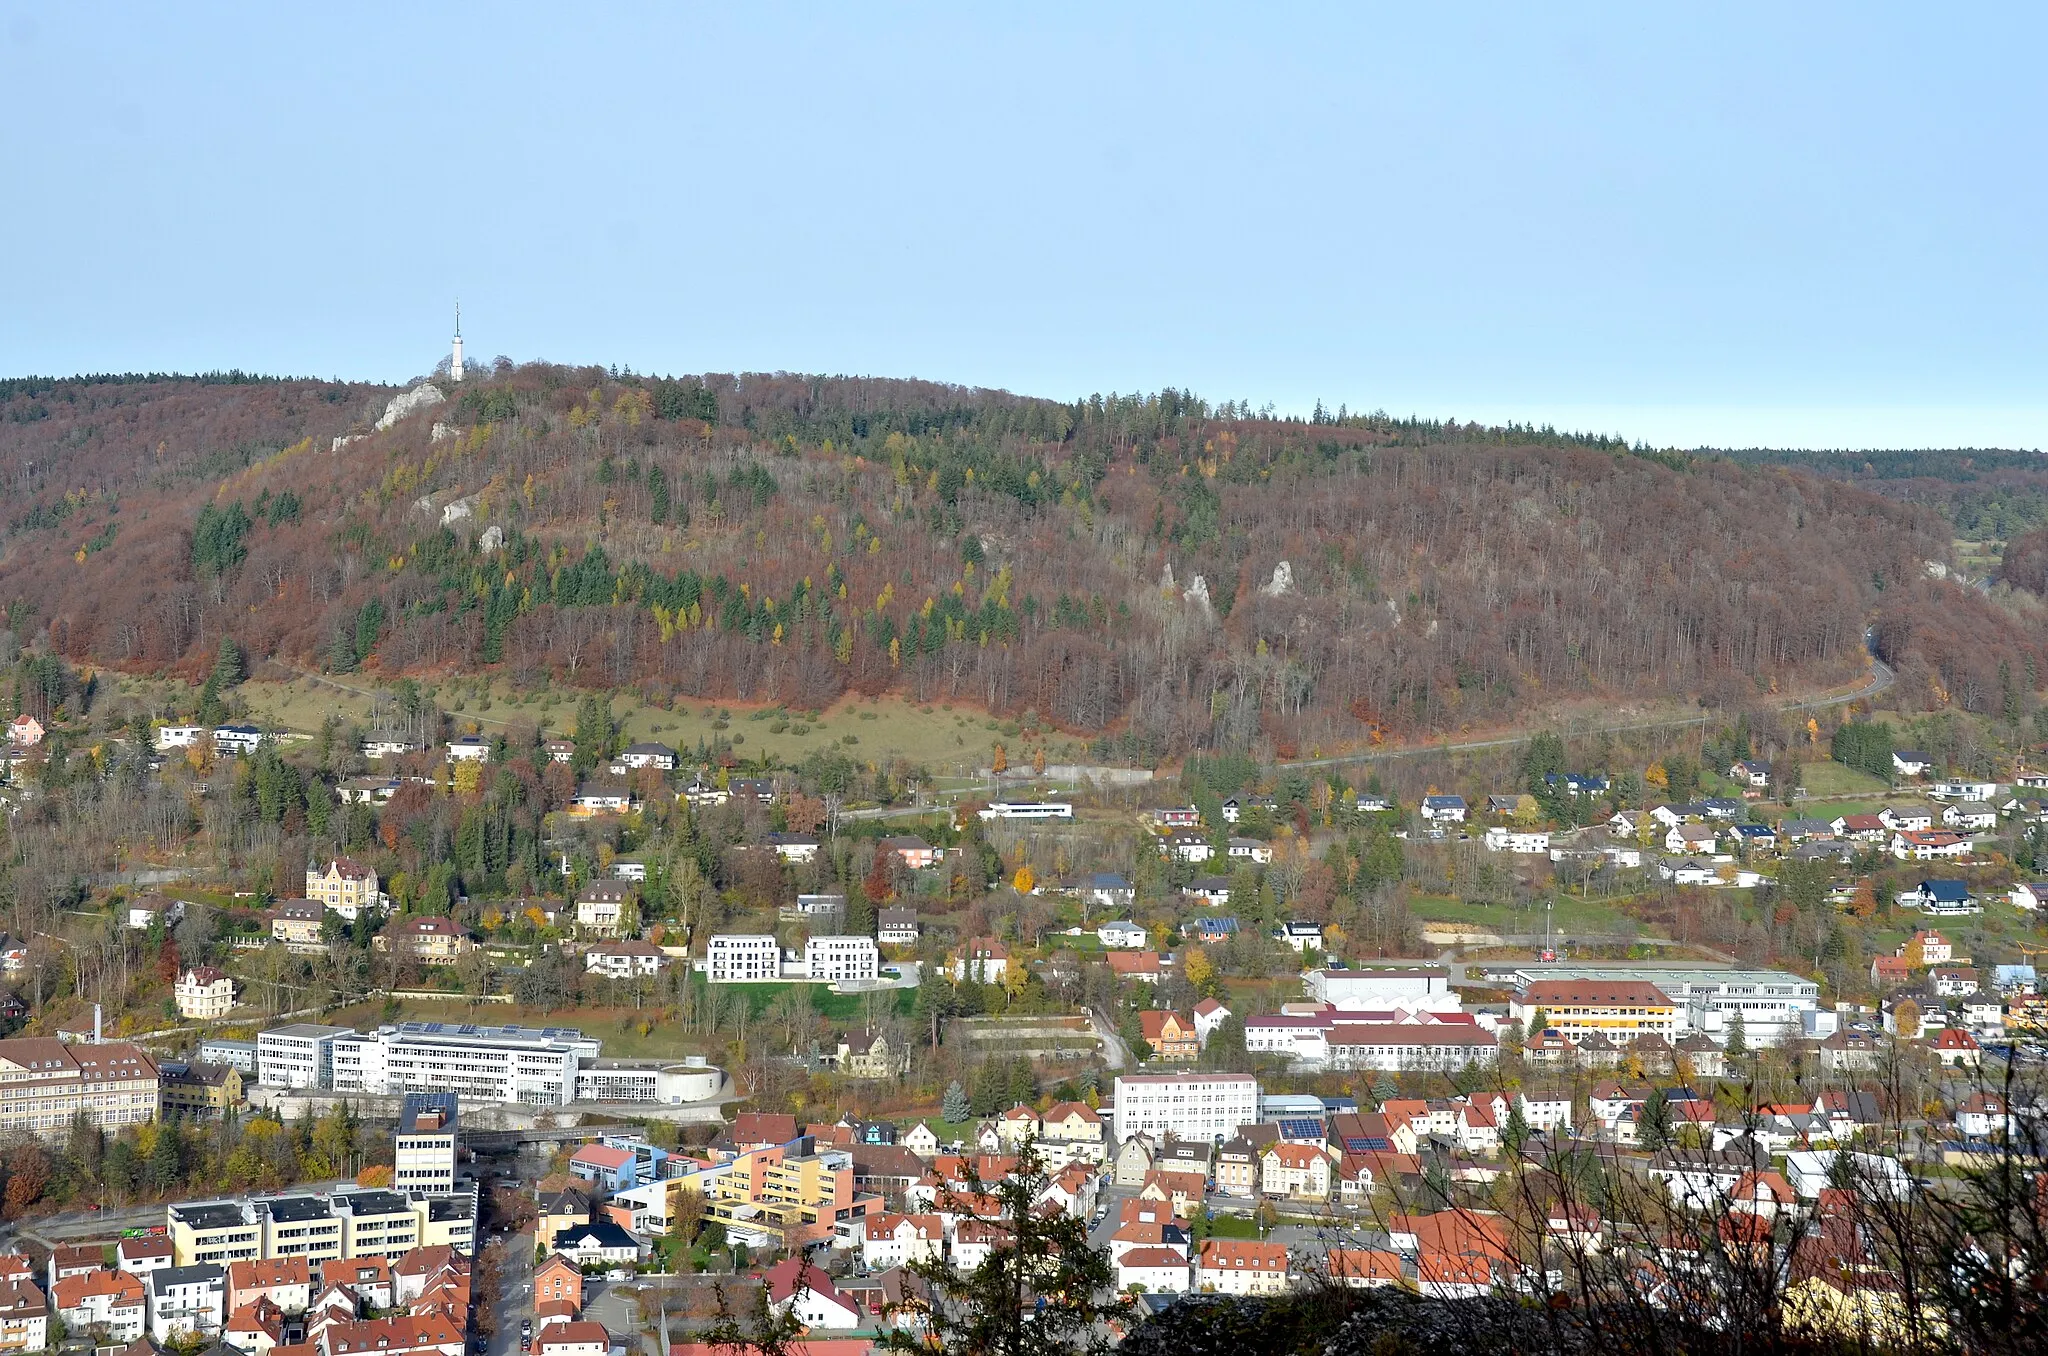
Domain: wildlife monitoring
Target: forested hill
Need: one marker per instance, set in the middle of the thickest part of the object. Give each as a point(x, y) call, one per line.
point(1175, 575)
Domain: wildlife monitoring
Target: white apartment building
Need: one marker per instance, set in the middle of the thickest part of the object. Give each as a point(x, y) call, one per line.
point(535, 1066)
point(300, 1055)
point(843, 959)
point(423, 1148)
point(179, 736)
point(187, 1300)
point(1501, 838)
point(742, 958)
point(204, 994)
point(1200, 1106)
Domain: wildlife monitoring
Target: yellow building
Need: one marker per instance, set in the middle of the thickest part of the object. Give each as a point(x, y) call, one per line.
point(344, 1224)
point(200, 1091)
point(345, 885)
point(797, 1198)
point(1604, 1011)
point(44, 1082)
point(299, 924)
point(431, 940)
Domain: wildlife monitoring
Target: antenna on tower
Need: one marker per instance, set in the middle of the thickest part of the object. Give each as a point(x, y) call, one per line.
point(455, 360)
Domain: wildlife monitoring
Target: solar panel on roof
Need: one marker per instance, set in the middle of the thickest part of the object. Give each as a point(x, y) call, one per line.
point(1300, 1127)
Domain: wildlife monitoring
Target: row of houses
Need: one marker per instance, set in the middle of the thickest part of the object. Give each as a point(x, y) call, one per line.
point(420, 1301)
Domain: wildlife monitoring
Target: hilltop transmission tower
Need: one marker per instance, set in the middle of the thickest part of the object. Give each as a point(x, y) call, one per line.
point(455, 361)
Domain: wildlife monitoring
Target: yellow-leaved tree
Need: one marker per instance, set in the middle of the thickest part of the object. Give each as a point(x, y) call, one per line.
point(1023, 880)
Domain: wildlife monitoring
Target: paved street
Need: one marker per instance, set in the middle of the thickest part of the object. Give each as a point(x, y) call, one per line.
point(515, 1294)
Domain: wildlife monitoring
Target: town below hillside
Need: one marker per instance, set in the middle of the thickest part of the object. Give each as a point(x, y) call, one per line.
point(565, 1035)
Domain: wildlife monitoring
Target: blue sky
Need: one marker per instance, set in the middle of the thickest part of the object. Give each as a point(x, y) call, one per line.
point(1813, 225)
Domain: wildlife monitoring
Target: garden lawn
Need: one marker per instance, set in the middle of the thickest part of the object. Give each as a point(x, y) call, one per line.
point(1829, 778)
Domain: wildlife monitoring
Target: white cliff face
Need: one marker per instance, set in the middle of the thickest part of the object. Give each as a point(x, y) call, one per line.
point(443, 432)
point(492, 540)
point(345, 439)
point(455, 510)
point(1281, 582)
point(424, 396)
point(1198, 595)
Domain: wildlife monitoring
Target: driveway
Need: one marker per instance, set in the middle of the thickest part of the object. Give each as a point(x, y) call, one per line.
point(1115, 1054)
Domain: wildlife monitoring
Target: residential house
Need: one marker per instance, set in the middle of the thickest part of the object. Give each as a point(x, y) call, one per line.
point(204, 994)
point(1122, 935)
point(912, 851)
point(1444, 809)
point(1527, 842)
point(1364, 1268)
point(796, 1287)
point(901, 1240)
point(1971, 816)
point(1236, 1266)
point(300, 924)
point(626, 960)
point(231, 741)
point(184, 1300)
point(983, 960)
point(1154, 1271)
point(896, 927)
point(867, 1053)
point(1956, 1048)
point(199, 1092)
point(557, 1280)
point(1109, 890)
point(1545, 1111)
point(600, 1242)
point(1209, 1014)
point(1910, 762)
point(428, 938)
point(1075, 1129)
point(1861, 828)
point(286, 1282)
point(1849, 1051)
point(1144, 966)
point(1295, 1171)
point(578, 1338)
point(601, 906)
point(1187, 845)
point(1954, 981)
point(344, 885)
point(112, 1302)
point(24, 1317)
point(1927, 845)
point(645, 754)
point(1926, 946)
point(1249, 850)
point(1300, 935)
point(1171, 1036)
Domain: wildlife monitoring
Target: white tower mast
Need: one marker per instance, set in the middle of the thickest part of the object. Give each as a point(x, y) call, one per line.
point(455, 363)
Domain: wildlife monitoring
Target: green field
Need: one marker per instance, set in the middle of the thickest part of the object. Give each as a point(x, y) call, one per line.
point(1829, 778)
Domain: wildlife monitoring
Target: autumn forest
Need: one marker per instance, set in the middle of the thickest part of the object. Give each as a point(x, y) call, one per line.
point(1155, 572)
